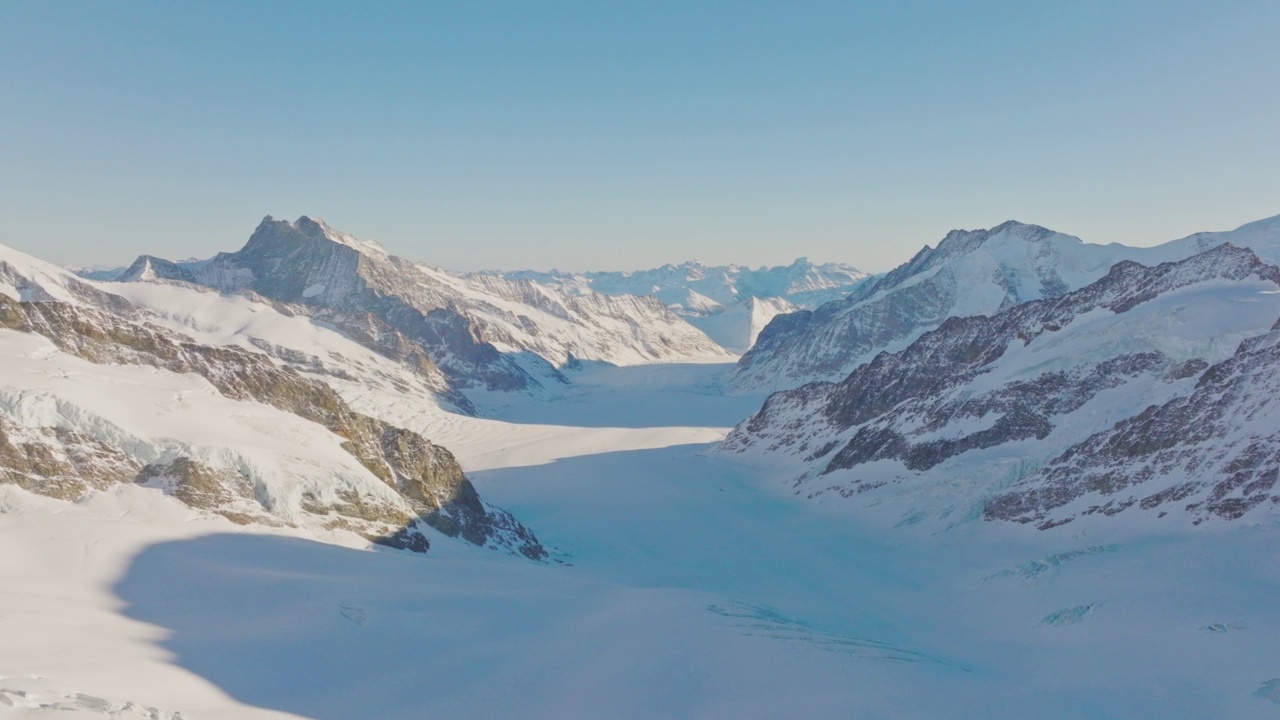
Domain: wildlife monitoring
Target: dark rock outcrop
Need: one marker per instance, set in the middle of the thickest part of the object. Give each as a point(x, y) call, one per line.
point(985, 383)
point(1213, 453)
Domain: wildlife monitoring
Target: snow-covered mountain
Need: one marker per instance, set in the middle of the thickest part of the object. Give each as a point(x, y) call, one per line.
point(1213, 453)
point(977, 272)
point(164, 410)
point(730, 303)
point(1134, 383)
point(480, 331)
point(223, 404)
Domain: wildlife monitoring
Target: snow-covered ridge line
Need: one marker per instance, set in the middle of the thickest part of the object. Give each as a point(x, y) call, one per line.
point(970, 272)
point(722, 284)
point(731, 303)
point(981, 402)
point(477, 331)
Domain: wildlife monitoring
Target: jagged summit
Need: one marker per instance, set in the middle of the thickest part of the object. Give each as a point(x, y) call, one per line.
point(260, 436)
point(1026, 231)
point(1009, 243)
point(305, 231)
point(969, 272)
point(959, 240)
point(478, 331)
point(996, 239)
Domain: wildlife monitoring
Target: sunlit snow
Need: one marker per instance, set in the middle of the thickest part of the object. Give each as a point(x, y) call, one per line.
point(683, 586)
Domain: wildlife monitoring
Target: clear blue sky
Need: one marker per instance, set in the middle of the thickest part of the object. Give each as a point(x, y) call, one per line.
point(623, 135)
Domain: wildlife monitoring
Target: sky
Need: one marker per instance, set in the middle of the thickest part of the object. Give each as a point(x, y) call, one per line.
point(597, 135)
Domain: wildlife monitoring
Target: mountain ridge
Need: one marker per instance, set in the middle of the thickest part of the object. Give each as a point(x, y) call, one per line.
point(970, 272)
point(730, 303)
point(480, 333)
point(980, 398)
point(71, 431)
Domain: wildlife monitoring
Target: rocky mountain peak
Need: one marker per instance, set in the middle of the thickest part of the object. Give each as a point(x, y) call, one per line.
point(275, 237)
point(149, 267)
point(970, 272)
point(356, 473)
point(961, 242)
point(477, 330)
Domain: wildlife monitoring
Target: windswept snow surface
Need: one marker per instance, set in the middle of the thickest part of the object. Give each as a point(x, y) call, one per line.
point(685, 586)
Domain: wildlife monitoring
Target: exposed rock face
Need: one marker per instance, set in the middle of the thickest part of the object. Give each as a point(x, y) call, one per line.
point(202, 487)
point(428, 482)
point(983, 401)
point(60, 463)
point(479, 330)
point(308, 264)
point(1213, 453)
point(969, 273)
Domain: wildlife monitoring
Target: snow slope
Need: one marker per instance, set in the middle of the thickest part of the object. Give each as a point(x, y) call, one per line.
point(736, 327)
point(158, 417)
point(688, 589)
point(977, 272)
point(683, 583)
point(311, 347)
point(931, 432)
point(94, 393)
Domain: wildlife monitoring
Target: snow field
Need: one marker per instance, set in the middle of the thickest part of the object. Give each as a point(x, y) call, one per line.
point(685, 586)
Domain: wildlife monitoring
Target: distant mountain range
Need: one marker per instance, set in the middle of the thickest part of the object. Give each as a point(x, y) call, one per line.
point(478, 331)
point(730, 303)
point(1013, 373)
point(615, 317)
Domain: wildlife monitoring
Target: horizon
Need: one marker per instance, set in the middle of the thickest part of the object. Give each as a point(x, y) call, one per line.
point(99, 267)
point(573, 135)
